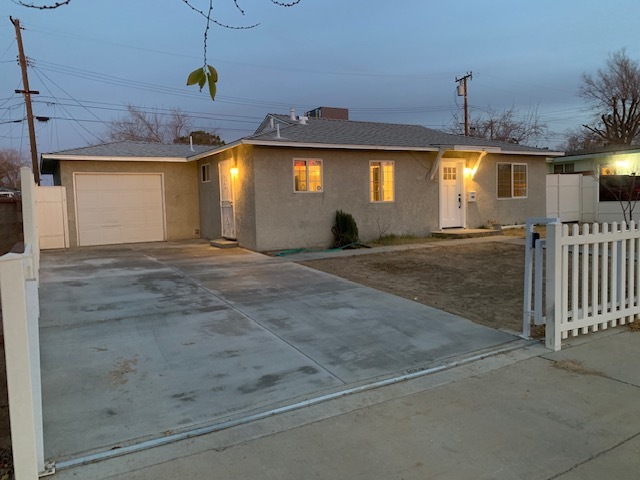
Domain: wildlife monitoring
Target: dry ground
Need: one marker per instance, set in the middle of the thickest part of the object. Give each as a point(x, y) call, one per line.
point(482, 282)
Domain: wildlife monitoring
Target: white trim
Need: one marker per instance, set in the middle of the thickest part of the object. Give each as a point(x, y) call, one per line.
point(202, 170)
point(293, 171)
point(474, 170)
point(381, 163)
point(460, 163)
point(436, 164)
point(100, 158)
point(162, 192)
point(337, 146)
point(433, 148)
point(226, 166)
point(512, 197)
point(214, 151)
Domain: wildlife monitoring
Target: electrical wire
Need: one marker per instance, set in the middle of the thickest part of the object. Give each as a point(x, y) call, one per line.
point(65, 110)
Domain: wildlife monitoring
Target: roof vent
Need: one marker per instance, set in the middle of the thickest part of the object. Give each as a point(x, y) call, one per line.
point(292, 113)
point(303, 120)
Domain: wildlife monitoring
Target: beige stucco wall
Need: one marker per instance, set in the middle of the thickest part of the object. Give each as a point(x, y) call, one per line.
point(288, 219)
point(506, 211)
point(180, 192)
point(271, 216)
point(243, 192)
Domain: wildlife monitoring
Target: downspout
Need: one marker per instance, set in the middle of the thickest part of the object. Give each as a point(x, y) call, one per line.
point(436, 164)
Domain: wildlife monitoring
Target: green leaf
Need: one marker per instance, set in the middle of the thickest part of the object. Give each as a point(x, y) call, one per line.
point(213, 73)
point(212, 86)
point(202, 81)
point(196, 76)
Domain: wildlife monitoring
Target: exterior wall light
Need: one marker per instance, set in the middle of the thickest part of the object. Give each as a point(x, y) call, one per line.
point(234, 171)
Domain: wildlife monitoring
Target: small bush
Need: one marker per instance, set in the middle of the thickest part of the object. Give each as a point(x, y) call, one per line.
point(345, 230)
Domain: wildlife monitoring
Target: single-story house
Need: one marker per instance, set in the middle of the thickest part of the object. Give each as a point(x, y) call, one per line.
point(608, 175)
point(127, 192)
point(280, 187)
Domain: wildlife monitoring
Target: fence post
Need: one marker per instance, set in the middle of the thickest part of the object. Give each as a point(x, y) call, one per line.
point(19, 302)
point(553, 337)
point(528, 279)
point(29, 222)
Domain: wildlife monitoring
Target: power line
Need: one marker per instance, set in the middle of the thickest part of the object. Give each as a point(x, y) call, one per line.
point(113, 107)
point(65, 110)
point(48, 31)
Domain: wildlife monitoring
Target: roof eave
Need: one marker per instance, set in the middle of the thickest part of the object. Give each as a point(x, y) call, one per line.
point(429, 148)
point(220, 149)
point(341, 146)
point(596, 155)
point(112, 158)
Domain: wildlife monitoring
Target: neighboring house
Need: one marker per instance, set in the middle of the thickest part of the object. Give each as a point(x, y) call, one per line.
point(607, 174)
point(128, 192)
point(280, 188)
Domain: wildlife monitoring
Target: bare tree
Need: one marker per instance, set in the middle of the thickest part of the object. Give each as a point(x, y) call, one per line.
point(149, 126)
point(614, 96)
point(10, 163)
point(581, 140)
point(509, 126)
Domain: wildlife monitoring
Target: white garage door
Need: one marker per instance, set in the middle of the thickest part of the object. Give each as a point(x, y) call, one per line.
point(119, 208)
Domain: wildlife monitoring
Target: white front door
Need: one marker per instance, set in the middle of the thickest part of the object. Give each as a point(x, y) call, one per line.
point(226, 200)
point(452, 212)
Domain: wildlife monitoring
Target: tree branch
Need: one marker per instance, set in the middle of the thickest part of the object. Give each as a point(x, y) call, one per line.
point(42, 7)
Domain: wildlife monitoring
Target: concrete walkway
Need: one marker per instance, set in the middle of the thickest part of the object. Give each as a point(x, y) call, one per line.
point(148, 342)
point(526, 414)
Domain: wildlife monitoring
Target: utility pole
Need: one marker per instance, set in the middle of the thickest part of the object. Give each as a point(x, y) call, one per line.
point(462, 90)
point(27, 100)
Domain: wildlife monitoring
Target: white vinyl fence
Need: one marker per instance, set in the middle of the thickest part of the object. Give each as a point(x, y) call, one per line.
point(590, 280)
point(20, 316)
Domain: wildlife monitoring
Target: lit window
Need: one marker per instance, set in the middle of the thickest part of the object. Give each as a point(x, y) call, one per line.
point(205, 173)
point(512, 180)
point(381, 181)
point(307, 175)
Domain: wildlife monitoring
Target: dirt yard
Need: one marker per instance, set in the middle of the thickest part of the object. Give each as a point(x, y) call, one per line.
point(482, 282)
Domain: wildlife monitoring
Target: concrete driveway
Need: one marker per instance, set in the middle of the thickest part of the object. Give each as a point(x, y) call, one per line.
point(143, 341)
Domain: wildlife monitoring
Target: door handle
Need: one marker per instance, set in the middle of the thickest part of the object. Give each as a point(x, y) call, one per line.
point(459, 200)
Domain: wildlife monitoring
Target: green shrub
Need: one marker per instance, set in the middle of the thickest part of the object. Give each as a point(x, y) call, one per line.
point(345, 230)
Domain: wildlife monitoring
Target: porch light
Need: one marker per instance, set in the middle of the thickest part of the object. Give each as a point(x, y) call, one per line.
point(622, 166)
point(233, 171)
point(468, 171)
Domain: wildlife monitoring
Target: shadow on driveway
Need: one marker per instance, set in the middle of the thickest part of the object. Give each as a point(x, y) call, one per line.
point(143, 341)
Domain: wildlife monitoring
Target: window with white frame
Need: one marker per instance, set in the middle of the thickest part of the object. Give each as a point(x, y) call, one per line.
point(205, 173)
point(381, 181)
point(307, 175)
point(512, 180)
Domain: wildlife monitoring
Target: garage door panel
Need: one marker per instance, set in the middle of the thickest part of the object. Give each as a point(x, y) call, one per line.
point(119, 208)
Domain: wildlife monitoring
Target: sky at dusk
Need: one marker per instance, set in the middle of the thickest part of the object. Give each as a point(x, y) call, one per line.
point(385, 61)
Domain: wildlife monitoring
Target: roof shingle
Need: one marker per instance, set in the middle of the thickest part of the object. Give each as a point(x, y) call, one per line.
point(349, 132)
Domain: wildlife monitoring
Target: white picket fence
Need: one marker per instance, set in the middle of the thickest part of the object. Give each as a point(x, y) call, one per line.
point(20, 316)
point(590, 280)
